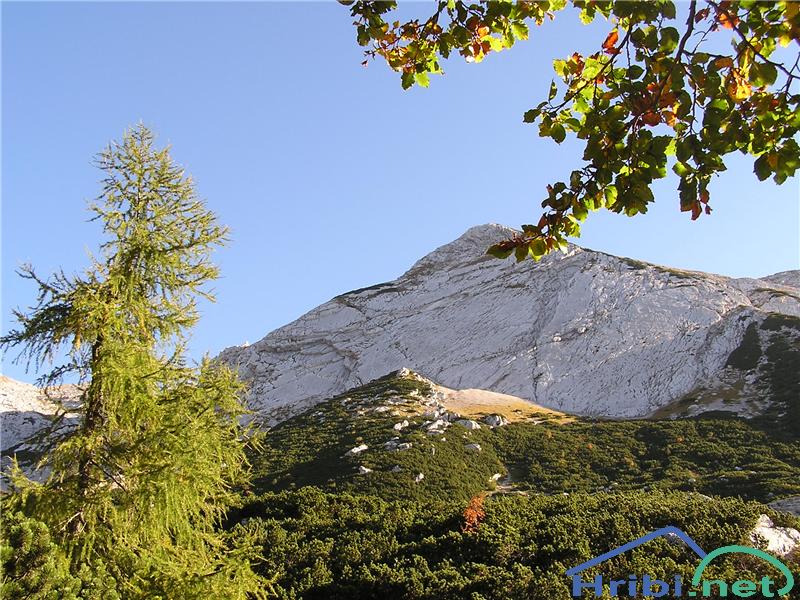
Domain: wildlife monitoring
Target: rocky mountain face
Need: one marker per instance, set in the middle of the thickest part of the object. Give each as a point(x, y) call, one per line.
point(29, 417)
point(25, 411)
point(581, 332)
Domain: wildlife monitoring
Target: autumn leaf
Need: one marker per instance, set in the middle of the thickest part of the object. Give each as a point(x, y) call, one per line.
point(723, 62)
point(738, 87)
point(701, 14)
point(651, 118)
point(611, 41)
point(726, 18)
point(667, 99)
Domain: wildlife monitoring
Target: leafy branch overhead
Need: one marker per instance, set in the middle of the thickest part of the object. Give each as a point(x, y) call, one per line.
point(653, 95)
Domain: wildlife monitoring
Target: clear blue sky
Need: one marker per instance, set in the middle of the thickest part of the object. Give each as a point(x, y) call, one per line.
point(330, 176)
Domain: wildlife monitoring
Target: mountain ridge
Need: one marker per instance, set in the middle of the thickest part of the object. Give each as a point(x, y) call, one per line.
point(463, 319)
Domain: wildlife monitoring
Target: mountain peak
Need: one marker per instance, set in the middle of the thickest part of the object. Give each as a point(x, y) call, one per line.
point(486, 233)
point(582, 332)
point(469, 246)
point(470, 249)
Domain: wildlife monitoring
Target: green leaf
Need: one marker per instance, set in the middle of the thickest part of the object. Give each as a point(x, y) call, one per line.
point(580, 212)
point(499, 252)
point(560, 67)
point(635, 71)
point(520, 30)
point(558, 133)
point(553, 90)
point(407, 80)
point(611, 195)
point(496, 44)
point(531, 115)
point(761, 168)
point(422, 79)
point(537, 248)
point(763, 74)
point(669, 39)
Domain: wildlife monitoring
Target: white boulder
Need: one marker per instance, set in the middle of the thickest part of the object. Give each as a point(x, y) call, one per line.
point(780, 541)
point(357, 450)
point(495, 420)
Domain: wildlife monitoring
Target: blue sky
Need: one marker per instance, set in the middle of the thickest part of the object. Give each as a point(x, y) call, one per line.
point(329, 175)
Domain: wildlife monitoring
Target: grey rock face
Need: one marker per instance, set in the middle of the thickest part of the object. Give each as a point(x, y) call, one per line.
point(583, 332)
point(789, 505)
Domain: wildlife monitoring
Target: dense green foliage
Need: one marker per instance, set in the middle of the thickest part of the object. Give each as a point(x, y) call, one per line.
point(341, 546)
point(139, 489)
point(726, 457)
point(32, 565)
point(782, 372)
point(663, 89)
point(719, 455)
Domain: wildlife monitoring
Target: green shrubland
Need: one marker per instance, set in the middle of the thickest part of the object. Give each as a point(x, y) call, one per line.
point(323, 545)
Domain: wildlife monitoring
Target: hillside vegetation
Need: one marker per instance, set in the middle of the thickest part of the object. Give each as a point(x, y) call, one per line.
point(318, 545)
point(718, 455)
point(341, 511)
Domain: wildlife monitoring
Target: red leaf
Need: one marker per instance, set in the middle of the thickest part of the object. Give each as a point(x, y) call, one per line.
point(651, 118)
point(726, 17)
point(611, 41)
point(701, 14)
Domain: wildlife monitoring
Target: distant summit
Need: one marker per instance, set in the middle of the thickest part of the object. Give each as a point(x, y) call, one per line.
point(582, 332)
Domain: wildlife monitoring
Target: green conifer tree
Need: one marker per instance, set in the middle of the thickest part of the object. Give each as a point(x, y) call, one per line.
point(139, 489)
point(32, 565)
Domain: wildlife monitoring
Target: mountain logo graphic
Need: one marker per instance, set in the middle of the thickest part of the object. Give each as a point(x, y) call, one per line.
point(651, 587)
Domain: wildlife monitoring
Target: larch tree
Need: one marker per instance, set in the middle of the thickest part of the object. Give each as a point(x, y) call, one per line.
point(137, 492)
point(664, 89)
